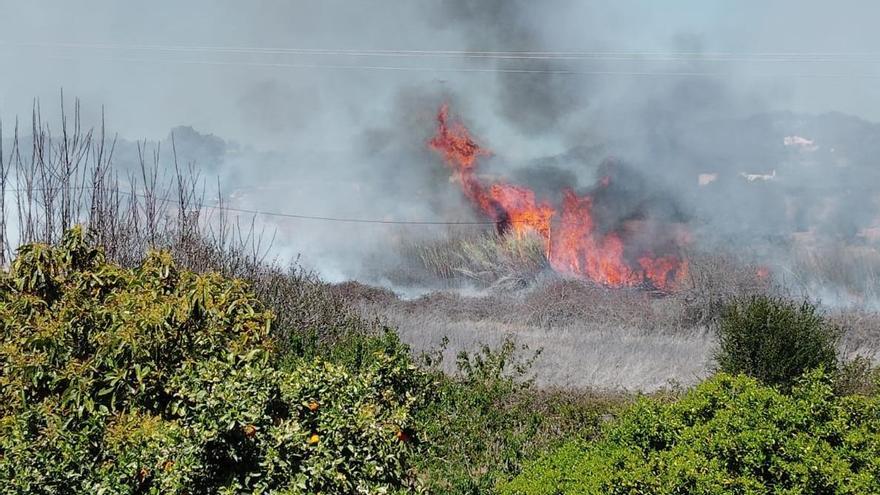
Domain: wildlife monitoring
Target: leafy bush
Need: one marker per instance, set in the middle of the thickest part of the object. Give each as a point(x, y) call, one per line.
point(729, 435)
point(488, 420)
point(774, 340)
point(159, 380)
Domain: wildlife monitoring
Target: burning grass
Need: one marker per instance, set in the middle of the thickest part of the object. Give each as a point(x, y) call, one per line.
point(623, 251)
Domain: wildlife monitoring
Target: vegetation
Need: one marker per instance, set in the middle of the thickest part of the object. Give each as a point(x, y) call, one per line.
point(729, 435)
point(775, 340)
point(849, 272)
point(483, 259)
point(154, 379)
point(489, 419)
point(159, 380)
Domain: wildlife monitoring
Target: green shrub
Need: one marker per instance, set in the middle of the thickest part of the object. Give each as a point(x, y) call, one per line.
point(159, 380)
point(774, 340)
point(488, 420)
point(729, 435)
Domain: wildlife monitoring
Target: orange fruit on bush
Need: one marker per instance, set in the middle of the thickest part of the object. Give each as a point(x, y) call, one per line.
point(402, 436)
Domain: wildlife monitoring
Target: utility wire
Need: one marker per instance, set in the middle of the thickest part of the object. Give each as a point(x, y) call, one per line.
point(612, 55)
point(269, 213)
point(508, 70)
point(278, 214)
point(288, 215)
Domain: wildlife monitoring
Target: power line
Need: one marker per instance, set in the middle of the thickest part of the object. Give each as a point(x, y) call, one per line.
point(613, 55)
point(508, 70)
point(297, 216)
point(271, 213)
point(339, 219)
point(289, 215)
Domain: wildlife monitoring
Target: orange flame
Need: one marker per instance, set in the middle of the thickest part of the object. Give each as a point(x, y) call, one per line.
point(573, 244)
point(511, 206)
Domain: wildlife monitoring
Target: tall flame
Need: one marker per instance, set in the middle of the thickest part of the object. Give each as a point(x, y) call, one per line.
point(574, 245)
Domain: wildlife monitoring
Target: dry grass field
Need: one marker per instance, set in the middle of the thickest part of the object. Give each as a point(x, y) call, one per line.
point(593, 337)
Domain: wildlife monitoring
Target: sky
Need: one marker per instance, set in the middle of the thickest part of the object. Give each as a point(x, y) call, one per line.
point(145, 93)
point(303, 88)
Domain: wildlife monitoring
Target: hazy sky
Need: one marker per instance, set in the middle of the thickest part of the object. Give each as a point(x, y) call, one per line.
point(146, 92)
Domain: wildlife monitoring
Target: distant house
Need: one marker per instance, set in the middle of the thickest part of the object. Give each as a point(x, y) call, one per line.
point(758, 177)
point(706, 179)
point(800, 143)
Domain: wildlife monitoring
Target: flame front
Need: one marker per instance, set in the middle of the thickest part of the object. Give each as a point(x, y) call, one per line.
point(574, 246)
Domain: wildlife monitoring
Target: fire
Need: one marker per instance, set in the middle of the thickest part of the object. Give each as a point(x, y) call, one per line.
point(512, 207)
point(520, 209)
point(577, 250)
point(574, 244)
point(762, 273)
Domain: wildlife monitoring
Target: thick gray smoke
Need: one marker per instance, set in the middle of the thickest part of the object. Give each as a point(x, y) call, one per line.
point(746, 122)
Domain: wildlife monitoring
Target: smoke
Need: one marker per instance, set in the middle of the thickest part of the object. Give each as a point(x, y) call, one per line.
point(652, 96)
point(532, 102)
point(278, 108)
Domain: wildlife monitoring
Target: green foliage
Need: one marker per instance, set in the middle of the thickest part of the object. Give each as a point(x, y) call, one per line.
point(488, 420)
point(774, 340)
point(729, 435)
point(159, 380)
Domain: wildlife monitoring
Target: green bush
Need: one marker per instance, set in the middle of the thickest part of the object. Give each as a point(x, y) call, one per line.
point(488, 420)
point(774, 340)
point(729, 435)
point(159, 380)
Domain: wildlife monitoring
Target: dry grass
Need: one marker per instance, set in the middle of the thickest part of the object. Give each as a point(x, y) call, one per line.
point(861, 335)
point(595, 337)
point(840, 273)
point(583, 356)
point(486, 260)
point(592, 337)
